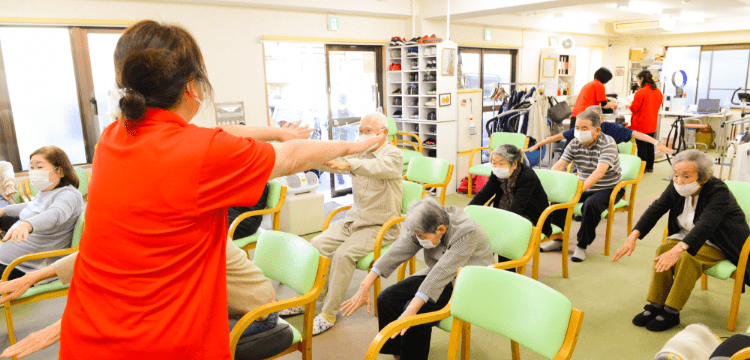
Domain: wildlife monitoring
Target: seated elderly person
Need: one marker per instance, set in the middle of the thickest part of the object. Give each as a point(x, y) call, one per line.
point(450, 240)
point(247, 289)
point(706, 225)
point(47, 222)
point(598, 163)
point(515, 186)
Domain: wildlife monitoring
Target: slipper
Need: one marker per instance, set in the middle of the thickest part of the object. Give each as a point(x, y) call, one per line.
point(292, 311)
point(320, 325)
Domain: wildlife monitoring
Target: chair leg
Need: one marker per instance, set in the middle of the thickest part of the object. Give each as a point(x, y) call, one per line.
point(704, 282)
point(515, 353)
point(469, 189)
point(535, 265)
point(9, 323)
point(565, 256)
point(307, 323)
point(521, 270)
point(401, 272)
point(735, 307)
point(466, 342)
point(375, 295)
point(630, 220)
point(610, 217)
point(412, 265)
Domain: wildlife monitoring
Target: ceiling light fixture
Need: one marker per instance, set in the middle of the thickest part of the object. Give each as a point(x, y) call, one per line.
point(639, 7)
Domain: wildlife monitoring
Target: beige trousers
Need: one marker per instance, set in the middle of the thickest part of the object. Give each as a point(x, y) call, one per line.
point(344, 247)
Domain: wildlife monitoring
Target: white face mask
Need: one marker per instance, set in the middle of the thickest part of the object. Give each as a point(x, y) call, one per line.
point(686, 190)
point(583, 136)
point(366, 137)
point(40, 179)
point(501, 172)
point(425, 243)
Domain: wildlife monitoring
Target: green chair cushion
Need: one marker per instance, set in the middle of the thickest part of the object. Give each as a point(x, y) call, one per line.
point(274, 194)
point(625, 148)
point(723, 270)
point(619, 204)
point(410, 154)
point(741, 192)
point(365, 263)
point(83, 181)
point(631, 166)
point(411, 193)
point(297, 336)
point(507, 241)
point(427, 170)
point(482, 170)
point(241, 242)
point(560, 186)
point(501, 138)
point(446, 324)
point(40, 289)
point(78, 230)
point(555, 230)
point(288, 259)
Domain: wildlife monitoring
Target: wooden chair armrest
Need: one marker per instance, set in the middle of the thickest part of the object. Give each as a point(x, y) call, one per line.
point(35, 256)
point(474, 151)
point(739, 277)
point(425, 186)
point(381, 234)
point(526, 257)
point(743, 354)
point(400, 324)
point(413, 145)
point(567, 205)
point(247, 214)
point(412, 135)
point(571, 335)
point(333, 213)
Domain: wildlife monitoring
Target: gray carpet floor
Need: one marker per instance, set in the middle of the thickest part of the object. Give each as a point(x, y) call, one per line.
point(609, 294)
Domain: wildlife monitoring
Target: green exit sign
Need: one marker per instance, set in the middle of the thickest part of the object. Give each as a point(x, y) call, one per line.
point(333, 23)
point(487, 34)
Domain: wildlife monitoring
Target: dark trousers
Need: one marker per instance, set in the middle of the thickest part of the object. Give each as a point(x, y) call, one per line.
point(646, 151)
point(572, 122)
point(249, 225)
point(392, 302)
point(594, 203)
point(14, 274)
point(262, 339)
point(7, 221)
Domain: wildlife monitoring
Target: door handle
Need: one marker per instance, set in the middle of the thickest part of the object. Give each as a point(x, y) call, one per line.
point(96, 107)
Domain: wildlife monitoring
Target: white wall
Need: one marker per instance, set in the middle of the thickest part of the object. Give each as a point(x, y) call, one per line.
point(229, 36)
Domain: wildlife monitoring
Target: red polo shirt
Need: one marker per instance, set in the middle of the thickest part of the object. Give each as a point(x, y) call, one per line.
point(150, 279)
point(591, 94)
point(645, 109)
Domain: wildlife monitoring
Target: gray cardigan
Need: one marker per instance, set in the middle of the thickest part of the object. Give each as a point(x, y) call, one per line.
point(52, 215)
point(465, 243)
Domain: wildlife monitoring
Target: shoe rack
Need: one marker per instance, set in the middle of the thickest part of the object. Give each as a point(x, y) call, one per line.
point(413, 94)
point(418, 111)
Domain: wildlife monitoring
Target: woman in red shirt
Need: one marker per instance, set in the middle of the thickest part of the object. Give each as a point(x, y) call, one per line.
point(592, 94)
point(151, 276)
point(645, 109)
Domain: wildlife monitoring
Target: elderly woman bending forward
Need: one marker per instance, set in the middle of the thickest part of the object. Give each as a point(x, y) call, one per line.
point(706, 226)
point(450, 240)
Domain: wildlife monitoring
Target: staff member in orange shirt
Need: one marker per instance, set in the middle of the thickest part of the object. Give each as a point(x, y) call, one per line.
point(645, 109)
point(592, 94)
point(151, 272)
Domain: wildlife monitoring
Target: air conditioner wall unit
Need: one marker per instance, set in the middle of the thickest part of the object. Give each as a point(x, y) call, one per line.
point(660, 25)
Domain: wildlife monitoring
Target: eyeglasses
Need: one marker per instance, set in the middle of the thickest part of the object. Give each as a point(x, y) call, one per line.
point(367, 131)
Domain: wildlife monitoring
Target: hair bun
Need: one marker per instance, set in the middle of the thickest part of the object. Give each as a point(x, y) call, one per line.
point(132, 104)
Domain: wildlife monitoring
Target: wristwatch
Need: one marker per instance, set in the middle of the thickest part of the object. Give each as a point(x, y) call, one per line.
point(683, 246)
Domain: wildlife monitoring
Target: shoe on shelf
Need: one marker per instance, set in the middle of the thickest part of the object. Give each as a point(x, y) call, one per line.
point(398, 67)
point(429, 142)
point(415, 115)
point(396, 53)
point(397, 101)
point(397, 113)
point(432, 116)
point(650, 312)
point(320, 325)
point(398, 41)
point(433, 39)
point(663, 322)
point(413, 51)
point(413, 41)
point(397, 91)
point(415, 65)
point(430, 103)
point(432, 91)
point(292, 311)
point(412, 77)
point(415, 102)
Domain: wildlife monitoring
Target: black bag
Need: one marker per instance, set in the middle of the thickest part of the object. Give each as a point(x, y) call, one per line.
point(559, 111)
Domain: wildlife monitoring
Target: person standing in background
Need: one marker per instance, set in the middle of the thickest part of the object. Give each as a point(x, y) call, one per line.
point(593, 93)
point(645, 109)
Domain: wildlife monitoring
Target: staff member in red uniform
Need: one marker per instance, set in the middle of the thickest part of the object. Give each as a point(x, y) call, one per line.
point(645, 109)
point(592, 94)
point(151, 276)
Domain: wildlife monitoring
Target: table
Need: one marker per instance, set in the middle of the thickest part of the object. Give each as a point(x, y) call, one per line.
point(722, 116)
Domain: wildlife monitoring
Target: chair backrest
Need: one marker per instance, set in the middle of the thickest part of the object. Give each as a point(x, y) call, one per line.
point(741, 192)
point(560, 186)
point(392, 129)
point(509, 233)
point(502, 138)
point(78, 230)
point(288, 259)
point(83, 181)
point(19, 188)
point(274, 194)
point(427, 170)
point(32, 189)
point(412, 192)
point(625, 148)
point(631, 166)
point(514, 306)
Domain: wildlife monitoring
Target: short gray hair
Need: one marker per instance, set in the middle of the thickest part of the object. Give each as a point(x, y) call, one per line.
point(382, 120)
point(704, 166)
point(425, 215)
point(595, 108)
point(591, 115)
point(509, 153)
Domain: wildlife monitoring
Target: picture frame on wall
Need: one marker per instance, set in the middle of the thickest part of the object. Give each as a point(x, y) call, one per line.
point(445, 99)
point(449, 62)
point(549, 65)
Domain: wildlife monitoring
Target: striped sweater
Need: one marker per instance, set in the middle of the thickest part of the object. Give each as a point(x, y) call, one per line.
point(586, 159)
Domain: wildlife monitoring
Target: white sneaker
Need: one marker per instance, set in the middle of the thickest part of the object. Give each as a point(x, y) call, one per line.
point(292, 311)
point(320, 325)
point(579, 255)
point(553, 245)
point(431, 102)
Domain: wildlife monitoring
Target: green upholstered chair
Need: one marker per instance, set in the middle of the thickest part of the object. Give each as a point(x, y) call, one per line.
point(45, 291)
point(274, 203)
point(628, 147)
point(20, 195)
point(496, 139)
point(396, 137)
point(292, 261)
point(83, 182)
point(411, 192)
point(563, 191)
point(725, 270)
point(431, 173)
point(632, 173)
point(519, 308)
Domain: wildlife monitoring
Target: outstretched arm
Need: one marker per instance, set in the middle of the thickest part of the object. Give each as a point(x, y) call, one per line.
point(643, 137)
point(550, 139)
point(35, 342)
point(285, 133)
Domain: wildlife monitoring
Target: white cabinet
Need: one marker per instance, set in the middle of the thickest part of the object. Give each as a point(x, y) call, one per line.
point(562, 76)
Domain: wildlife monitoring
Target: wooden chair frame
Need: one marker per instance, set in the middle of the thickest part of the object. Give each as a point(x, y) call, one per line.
point(738, 276)
point(743, 354)
point(461, 333)
point(471, 160)
point(276, 211)
point(564, 235)
point(307, 300)
point(443, 185)
point(396, 140)
point(629, 208)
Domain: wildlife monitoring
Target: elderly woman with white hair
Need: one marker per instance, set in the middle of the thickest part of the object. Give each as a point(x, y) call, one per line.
point(450, 240)
point(706, 226)
point(515, 187)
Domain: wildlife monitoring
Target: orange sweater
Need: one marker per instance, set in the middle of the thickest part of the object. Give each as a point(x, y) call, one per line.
point(645, 109)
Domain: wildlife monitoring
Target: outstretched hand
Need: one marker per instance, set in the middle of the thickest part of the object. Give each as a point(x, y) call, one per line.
point(12, 289)
point(627, 247)
point(292, 131)
point(35, 342)
point(339, 165)
point(362, 297)
point(362, 146)
point(18, 232)
point(665, 149)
